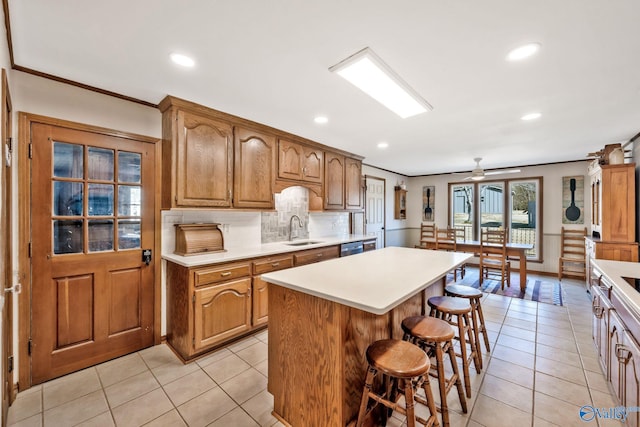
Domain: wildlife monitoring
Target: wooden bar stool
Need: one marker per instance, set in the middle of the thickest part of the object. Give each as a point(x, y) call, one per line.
point(477, 318)
point(435, 336)
point(446, 308)
point(405, 367)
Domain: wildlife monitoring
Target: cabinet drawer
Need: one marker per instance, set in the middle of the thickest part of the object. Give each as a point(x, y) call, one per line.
point(369, 246)
point(221, 273)
point(272, 264)
point(316, 255)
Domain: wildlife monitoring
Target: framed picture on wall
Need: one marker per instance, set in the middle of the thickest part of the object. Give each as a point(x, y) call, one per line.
point(573, 199)
point(428, 203)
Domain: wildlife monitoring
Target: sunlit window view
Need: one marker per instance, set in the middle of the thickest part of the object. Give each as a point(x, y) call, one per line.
point(93, 204)
point(486, 203)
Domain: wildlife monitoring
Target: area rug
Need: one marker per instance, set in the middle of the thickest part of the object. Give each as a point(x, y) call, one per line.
point(540, 290)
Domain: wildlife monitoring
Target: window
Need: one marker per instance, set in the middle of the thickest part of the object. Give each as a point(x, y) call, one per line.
point(513, 203)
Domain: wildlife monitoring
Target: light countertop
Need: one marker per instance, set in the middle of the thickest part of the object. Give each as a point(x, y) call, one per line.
point(616, 271)
point(374, 281)
point(236, 254)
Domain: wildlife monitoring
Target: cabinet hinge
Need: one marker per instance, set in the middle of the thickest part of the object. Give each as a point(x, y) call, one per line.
point(31, 151)
point(29, 249)
point(193, 298)
point(10, 364)
point(193, 341)
point(29, 346)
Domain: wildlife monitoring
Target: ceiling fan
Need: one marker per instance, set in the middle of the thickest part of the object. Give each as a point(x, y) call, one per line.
point(478, 173)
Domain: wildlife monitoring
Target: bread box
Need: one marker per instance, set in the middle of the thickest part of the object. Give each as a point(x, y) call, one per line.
point(197, 239)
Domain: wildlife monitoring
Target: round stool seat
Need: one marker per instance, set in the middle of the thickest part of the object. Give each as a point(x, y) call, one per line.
point(397, 358)
point(450, 305)
point(428, 328)
point(462, 291)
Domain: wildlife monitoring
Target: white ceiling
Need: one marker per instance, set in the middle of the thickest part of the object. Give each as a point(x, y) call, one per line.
point(268, 60)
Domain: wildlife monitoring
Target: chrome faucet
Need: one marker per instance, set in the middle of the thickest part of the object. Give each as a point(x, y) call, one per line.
point(291, 225)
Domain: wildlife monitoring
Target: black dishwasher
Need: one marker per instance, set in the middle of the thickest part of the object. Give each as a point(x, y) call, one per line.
point(352, 248)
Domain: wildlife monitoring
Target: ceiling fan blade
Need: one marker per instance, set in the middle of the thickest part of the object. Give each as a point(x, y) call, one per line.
point(502, 171)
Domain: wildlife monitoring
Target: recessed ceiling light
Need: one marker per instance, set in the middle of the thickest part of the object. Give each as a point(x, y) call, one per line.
point(530, 116)
point(523, 52)
point(369, 73)
point(383, 145)
point(182, 60)
point(321, 120)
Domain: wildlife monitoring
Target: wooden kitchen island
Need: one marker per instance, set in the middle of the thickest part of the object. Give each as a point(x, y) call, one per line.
point(322, 318)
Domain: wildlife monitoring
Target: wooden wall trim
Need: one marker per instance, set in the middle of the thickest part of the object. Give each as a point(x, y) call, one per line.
point(24, 229)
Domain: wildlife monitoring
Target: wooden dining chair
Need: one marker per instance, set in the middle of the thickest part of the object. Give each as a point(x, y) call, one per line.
point(447, 240)
point(572, 262)
point(493, 256)
point(427, 235)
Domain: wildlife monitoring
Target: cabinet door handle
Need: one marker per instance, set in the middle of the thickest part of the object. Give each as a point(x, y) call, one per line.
point(598, 311)
point(225, 274)
point(622, 353)
point(319, 255)
point(275, 264)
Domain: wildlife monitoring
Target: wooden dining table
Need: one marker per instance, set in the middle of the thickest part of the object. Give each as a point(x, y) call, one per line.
point(514, 251)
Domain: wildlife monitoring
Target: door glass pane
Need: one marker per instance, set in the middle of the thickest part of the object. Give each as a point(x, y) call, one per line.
point(100, 164)
point(100, 199)
point(67, 198)
point(491, 205)
point(100, 235)
point(524, 213)
point(67, 160)
point(67, 237)
point(129, 167)
point(129, 199)
point(462, 208)
point(128, 234)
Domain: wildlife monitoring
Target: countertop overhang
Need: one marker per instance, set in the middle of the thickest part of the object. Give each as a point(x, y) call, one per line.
point(375, 281)
point(237, 254)
point(616, 271)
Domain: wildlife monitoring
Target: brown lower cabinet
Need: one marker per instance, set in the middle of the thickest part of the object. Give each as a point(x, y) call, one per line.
point(614, 331)
point(210, 305)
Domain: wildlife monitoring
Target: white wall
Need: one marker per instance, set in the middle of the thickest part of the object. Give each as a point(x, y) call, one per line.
point(551, 214)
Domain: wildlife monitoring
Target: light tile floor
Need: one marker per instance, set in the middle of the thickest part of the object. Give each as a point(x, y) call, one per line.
point(542, 368)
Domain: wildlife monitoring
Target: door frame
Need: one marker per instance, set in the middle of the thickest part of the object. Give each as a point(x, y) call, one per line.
point(384, 207)
point(6, 216)
point(24, 229)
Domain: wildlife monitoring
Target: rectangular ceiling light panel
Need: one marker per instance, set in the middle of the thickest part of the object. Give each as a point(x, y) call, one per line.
point(369, 73)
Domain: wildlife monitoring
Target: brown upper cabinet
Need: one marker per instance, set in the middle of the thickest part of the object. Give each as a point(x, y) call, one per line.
point(211, 159)
point(198, 151)
point(299, 163)
point(254, 170)
point(333, 181)
point(353, 186)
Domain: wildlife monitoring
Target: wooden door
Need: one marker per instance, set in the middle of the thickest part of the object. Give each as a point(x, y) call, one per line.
point(205, 153)
point(375, 209)
point(92, 215)
point(333, 181)
point(255, 168)
point(6, 264)
point(354, 193)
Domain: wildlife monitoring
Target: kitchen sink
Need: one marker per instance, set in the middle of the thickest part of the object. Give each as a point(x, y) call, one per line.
point(305, 243)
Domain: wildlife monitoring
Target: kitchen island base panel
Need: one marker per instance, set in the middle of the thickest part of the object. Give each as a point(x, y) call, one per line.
point(317, 353)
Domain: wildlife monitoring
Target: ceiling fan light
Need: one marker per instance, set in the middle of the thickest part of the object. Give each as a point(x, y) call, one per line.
point(477, 177)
